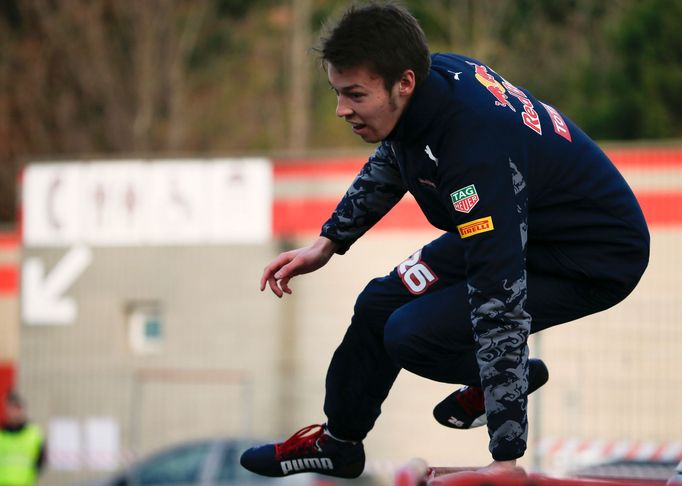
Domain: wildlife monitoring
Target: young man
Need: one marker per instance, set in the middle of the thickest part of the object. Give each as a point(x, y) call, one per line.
point(541, 229)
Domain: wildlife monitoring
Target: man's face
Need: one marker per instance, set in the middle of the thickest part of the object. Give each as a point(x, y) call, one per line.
point(14, 414)
point(364, 102)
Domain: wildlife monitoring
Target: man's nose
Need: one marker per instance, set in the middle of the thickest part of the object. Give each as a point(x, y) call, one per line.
point(342, 108)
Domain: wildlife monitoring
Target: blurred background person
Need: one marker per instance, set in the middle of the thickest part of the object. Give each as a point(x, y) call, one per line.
point(22, 446)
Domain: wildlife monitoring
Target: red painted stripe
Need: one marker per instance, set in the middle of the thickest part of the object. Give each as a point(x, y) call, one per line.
point(318, 167)
point(661, 208)
point(308, 215)
point(649, 158)
point(9, 279)
point(632, 451)
point(556, 447)
point(658, 452)
point(292, 216)
point(608, 449)
point(623, 158)
point(10, 240)
point(584, 445)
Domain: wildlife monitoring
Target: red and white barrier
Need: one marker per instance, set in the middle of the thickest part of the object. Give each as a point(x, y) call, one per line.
point(585, 451)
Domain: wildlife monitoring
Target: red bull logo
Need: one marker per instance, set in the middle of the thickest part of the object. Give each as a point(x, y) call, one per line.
point(493, 86)
point(530, 116)
point(501, 90)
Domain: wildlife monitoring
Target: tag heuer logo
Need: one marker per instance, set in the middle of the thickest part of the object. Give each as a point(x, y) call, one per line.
point(464, 199)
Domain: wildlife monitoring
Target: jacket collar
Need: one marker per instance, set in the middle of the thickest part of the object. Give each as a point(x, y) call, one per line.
point(424, 107)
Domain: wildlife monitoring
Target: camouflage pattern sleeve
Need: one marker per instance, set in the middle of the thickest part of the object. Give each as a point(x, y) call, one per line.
point(489, 200)
point(376, 189)
point(501, 329)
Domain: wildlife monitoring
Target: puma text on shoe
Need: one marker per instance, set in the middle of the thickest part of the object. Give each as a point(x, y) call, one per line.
point(310, 463)
point(311, 449)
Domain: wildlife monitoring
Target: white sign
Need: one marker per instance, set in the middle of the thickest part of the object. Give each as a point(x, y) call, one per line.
point(64, 444)
point(102, 443)
point(42, 300)
point(148, 203)
point(71, 444)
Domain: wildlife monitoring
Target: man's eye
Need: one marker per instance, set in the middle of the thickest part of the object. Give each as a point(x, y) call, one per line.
point(356, 96)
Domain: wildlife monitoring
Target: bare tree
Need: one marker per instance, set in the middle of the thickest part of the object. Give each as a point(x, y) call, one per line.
point(101, 76)
point(300, 75)
point(82, 77)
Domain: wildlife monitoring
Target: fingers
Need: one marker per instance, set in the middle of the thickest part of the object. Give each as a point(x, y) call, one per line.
point(279, 288)
point(277, 275)
point(274, 287)
point(284, 284)
point(273, 267)
point(285, 267)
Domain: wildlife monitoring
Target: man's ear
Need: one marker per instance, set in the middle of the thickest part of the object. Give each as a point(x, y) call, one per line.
point(407, 83)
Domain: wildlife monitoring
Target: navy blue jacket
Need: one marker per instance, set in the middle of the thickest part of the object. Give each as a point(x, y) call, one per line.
point(488, 161)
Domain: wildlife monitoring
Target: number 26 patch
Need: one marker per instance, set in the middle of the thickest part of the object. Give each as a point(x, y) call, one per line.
point(416, 275)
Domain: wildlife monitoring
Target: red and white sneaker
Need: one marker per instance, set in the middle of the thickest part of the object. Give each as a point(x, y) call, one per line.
point(465, 407)
point(311, 449)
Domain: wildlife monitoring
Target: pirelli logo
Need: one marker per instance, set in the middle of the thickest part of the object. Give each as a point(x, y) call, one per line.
point(476, 226)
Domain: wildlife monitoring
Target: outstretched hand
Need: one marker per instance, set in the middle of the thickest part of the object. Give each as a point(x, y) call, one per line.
point(296, 262)
point(505, 468)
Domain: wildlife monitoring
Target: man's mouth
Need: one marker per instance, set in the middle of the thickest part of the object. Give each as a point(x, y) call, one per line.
point(357, 126)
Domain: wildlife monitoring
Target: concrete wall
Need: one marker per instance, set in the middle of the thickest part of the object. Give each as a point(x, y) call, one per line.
point(215, 319)
point(9, 304)
point(614, 375)
point(235, 361)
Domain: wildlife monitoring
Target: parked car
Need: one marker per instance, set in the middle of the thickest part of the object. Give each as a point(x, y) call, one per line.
point(676, 478)
point(210, 462)
point(629, 470)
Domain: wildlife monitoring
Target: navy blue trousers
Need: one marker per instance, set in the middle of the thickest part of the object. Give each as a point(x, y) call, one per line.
point(419, 320)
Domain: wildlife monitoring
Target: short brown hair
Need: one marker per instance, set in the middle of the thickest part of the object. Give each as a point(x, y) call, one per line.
point(384, 37)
